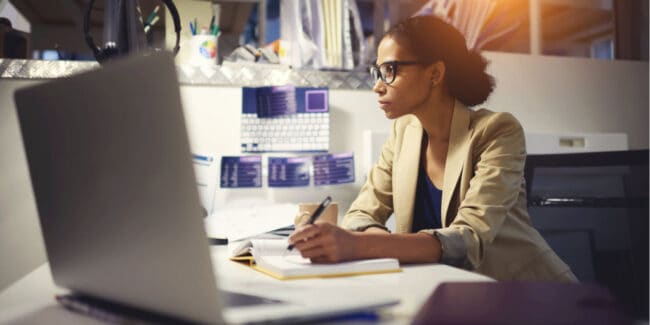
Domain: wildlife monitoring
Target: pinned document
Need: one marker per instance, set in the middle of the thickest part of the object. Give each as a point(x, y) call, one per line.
point(289, 172)
point(206, 172)
point(275, 100)
point(241, 171)
point(276, 119)
point(332, 169)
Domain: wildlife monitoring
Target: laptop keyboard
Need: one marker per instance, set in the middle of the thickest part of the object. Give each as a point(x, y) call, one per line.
point(235, 299)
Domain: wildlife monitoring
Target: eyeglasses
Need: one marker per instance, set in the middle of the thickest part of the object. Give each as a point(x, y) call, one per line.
point(388, 70)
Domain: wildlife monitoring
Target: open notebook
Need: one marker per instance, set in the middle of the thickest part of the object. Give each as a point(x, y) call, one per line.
point(270, 256)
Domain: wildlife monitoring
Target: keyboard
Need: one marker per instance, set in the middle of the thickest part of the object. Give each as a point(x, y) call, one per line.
point(285, 119)
point(236, 299)
point(296, 132)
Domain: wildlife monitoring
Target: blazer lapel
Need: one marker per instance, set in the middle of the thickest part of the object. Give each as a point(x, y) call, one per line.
point(456, 155)
point(406, 176)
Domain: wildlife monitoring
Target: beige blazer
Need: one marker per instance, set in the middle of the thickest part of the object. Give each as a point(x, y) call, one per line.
point(486, 226)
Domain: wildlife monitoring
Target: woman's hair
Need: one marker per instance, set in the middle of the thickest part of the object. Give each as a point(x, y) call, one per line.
point(431, 39)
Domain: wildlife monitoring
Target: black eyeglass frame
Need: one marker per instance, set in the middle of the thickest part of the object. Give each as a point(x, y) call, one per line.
point(376, 73)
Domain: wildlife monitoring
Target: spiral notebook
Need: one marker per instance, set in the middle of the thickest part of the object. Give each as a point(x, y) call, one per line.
point(271, 257)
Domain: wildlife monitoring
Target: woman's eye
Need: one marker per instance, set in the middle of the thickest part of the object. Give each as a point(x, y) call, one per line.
point(388, 70)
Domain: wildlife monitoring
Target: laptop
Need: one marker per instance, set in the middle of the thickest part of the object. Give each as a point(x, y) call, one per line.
point(111, 171)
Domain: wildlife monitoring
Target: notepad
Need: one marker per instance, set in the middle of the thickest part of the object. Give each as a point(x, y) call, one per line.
point(270, 256)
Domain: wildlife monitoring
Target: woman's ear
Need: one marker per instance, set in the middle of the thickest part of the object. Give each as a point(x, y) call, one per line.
point(437, 73)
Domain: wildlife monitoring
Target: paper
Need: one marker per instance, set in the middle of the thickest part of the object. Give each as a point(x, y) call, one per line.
point(332, 169)
point(261, 247)
point(289, 171)
point(294, 266)
point(207, 174)
point(243, 222)
point(241, 171)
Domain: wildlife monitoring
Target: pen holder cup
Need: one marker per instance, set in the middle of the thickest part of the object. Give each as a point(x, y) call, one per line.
point(203, 50)
point(305, 210)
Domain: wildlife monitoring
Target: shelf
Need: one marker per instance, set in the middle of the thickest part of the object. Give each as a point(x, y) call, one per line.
point(229, 74)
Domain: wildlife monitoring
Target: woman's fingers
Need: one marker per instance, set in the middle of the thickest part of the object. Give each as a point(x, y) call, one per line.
point(319, 254)
point(313, 252)
point(310, 243)
point(325, 247)
point(303, 233)
point(322, 242)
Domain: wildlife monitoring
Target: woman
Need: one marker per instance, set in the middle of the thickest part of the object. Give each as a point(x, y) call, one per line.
point(453, 177)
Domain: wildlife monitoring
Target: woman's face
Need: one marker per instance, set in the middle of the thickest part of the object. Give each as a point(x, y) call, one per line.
point(410, 89)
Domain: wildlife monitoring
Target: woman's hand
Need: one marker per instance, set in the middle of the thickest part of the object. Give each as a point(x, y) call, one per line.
point(324, 242)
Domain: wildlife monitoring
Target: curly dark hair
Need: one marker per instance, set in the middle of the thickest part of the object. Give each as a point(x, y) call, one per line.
point(431, 39)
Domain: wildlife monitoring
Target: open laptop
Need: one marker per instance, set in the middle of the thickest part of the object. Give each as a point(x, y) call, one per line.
point(111, 171)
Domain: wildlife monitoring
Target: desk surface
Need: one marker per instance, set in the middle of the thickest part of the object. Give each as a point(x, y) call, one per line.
point(30, 300)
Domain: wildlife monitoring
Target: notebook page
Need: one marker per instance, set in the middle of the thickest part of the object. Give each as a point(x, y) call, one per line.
point(261, 247)
point(271, 247)
point(297, 266)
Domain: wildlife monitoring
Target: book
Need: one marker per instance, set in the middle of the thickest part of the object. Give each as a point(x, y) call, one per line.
point(271, 257)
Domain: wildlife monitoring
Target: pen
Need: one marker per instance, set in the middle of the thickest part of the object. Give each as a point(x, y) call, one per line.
point(316, 214)
point(152, 15)
point(149, 25)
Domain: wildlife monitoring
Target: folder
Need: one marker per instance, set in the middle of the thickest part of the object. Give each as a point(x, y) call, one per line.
point(505, 303)
point(271, 257)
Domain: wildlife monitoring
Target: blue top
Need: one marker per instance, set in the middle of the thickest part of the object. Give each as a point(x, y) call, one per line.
point(428, 202)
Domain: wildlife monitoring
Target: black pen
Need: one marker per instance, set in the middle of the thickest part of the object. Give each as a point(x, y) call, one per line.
point(316, 214)
point(211, 27)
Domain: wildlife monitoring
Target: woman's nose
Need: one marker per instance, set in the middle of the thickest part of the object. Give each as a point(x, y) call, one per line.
point(379, 86)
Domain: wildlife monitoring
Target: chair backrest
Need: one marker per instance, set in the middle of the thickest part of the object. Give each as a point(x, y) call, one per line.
point(592, 208)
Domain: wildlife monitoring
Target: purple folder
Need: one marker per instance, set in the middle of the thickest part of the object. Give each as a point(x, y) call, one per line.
point(521, 303)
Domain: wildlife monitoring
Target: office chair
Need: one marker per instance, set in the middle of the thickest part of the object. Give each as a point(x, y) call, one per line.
point(592, 208)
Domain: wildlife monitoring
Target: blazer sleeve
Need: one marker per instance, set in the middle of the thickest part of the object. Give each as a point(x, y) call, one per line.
point(492, 192)
point(374, 204)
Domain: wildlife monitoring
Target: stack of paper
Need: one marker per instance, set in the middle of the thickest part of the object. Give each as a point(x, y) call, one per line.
point(332, 28)
point(333, 15)
point(243, 222)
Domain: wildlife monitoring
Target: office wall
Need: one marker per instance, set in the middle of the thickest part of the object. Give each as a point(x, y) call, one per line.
point(21, 243)
point(547, 94)
point(557, 94)
point(212, 114)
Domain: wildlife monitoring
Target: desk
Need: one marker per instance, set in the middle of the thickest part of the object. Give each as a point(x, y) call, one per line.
point(30, 300)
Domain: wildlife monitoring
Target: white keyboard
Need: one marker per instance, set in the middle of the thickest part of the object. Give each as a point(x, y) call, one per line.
point(295, 132)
